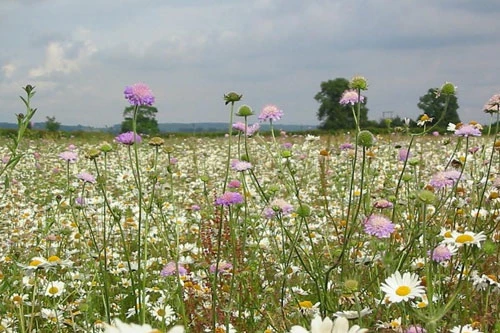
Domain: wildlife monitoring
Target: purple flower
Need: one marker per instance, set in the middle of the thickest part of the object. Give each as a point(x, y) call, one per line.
point(468, 130)
point(69, 156)
point(404, 154)
point(435, 133)
point(249, 130)
point(379, 226)
point(270, 112)
point(382, 203)
point(139, 94)
point(238, 165)
point(493, 105)
point(79, 201)
point(86, 177)
point(351, 96)
point(441, 253)
point(444, 178)
point(224, 267)
point(171, 269)
point(346, 146)
point(415, 329)
point(229, 198)
point(195, 208)
point(234, 184)
point(287, 145)
point(127, 138)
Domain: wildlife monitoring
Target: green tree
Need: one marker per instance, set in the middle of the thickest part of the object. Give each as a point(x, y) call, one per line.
point(433, 105)
point(52, 125)
point(146, 119)
point(331, 113)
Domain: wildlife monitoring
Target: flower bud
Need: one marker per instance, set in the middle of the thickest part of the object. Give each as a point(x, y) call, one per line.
point(366, 139)
point(358, 82)
point(447, 89)
point(244, 111)
point(426, 196)
point(232, 97)
point(92, 153)
point(156, 141)
point(106, 147)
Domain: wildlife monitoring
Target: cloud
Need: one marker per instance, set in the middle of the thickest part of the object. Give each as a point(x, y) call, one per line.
point(8, 70)
point(65, 57)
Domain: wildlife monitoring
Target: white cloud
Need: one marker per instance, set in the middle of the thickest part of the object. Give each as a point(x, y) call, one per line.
point(65, 57)
point(8, 70)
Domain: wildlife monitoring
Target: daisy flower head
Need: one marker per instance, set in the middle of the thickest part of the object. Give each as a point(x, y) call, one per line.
point(55, 289)
point(351, 97)
point(460, 239)
point(424, 119)
point(379, 226)
point(326, 325)
point(121, 327)
point(270, 112)
point(139, 94)
point(401, 288)
point(464, 329)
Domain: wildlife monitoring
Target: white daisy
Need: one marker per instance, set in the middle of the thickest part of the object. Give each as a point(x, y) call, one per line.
point(400, 288)
point(120, 327)
point(340, 325)
point(464, 329)
point(54, 289)
point(465, 238)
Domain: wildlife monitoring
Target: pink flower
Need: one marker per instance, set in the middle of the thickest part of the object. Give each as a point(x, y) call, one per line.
point(351, 97)
point(69, 156)
point(229, 198)
point(139, 94)
point(379, 226)
point(270, 112)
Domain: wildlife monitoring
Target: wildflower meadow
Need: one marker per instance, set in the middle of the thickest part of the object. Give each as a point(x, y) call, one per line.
point(252, 232)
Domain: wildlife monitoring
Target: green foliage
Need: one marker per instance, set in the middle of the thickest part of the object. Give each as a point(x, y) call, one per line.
point(146, 119)
point(331, 113)
point(52, 125)
point(433, 105)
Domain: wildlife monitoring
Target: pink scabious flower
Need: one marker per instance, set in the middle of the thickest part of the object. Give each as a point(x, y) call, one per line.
point(404, 154)
point(86, 177)
point(234, 184)
point(493, 104)
point(69, 156)
point(415, 329)
point(382, 203)
point(379, 226)
point(248, 130)
point(468, 130)
point(346, 146)
point(171, 269)
point(351, 97)
point(139, 94)
point(127, 138)
point(278, 206)
point(240, 166)
point(445, 178)
point(229, 198)
point(270, 112)
point(442, 253)
point(224, 267)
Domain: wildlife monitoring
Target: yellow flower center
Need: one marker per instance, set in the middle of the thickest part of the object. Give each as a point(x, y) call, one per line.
point(403, 290)
point(17, 299)
point(160, 312)
point(54, 259)
point(35, 263)
point(464, 239)
point(306, 304)
point(53, 290)
point(447, 234)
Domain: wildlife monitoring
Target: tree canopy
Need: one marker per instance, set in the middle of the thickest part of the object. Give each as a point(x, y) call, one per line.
point(331, 113)
point(146, 119)
point(433, 105)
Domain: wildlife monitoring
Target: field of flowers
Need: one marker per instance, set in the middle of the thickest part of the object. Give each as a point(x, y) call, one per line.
point(252, 232)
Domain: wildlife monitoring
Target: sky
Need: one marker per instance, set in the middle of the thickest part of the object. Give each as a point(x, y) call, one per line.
point(80, 55)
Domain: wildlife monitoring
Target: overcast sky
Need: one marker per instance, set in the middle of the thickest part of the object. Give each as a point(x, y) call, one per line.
point(81, 54)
